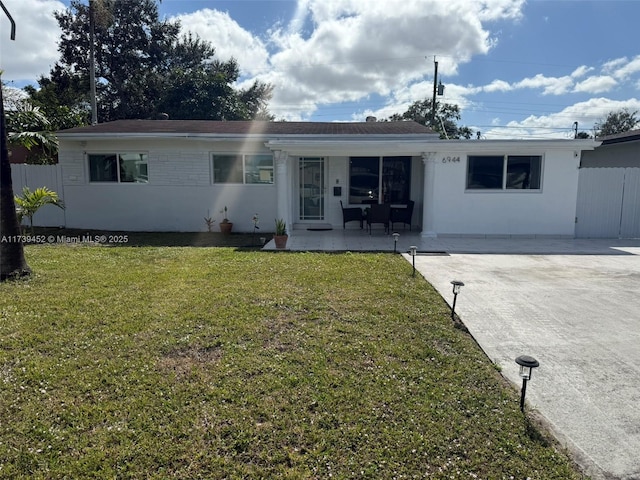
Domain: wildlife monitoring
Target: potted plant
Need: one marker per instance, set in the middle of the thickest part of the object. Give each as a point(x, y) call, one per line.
point(255, 219)
point(225, 224)
point(280, 238)
point(209, 221)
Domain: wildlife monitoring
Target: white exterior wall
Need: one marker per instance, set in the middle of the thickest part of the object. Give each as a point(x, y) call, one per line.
point(337, 176)
point(179, 193)
point(548, 212)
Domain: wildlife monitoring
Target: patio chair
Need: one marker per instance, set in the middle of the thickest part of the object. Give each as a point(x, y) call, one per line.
point(350, 214)
point(403, 215)
point(379, 213)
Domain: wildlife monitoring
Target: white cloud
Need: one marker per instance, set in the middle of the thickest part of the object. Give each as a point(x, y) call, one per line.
point(357, 48)
point(581, 71)
point(625, 71)
point(597, 84)
point(550, 85)
point(622, 68)
point(35, 49)
point(501, 9)
point(612, 65)
point(333, 51)
point(560, 124)
point(228, 38)
point(497, 86)
point(299, 17)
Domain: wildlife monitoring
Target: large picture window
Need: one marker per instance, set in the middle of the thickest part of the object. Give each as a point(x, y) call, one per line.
point(364, 179)
point(237, 168)
point(379, 180)
point(118, 167)
point(500, 172)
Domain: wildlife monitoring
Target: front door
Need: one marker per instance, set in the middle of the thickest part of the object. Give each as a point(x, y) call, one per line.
point(312, 188)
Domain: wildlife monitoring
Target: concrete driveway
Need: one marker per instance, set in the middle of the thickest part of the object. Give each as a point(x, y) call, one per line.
point(579, 316)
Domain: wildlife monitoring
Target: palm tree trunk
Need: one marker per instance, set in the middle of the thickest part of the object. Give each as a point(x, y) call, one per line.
point(12, 261)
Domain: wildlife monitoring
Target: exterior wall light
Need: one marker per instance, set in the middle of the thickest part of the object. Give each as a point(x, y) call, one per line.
point(527, 364)
point(456, 290)
point(396, 236)
point(413, 250)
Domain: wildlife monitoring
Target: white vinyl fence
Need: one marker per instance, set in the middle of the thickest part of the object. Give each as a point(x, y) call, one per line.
point(35, 176)
point(608, 203)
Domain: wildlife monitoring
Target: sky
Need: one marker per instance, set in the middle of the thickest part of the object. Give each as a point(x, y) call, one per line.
point(516, 68)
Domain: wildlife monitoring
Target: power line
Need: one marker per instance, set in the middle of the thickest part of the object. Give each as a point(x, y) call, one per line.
point(460, 60)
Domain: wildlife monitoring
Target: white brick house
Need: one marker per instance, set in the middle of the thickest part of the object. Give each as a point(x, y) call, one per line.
point(167, 175)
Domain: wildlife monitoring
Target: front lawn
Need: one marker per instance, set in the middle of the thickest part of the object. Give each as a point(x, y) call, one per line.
point(169, 362)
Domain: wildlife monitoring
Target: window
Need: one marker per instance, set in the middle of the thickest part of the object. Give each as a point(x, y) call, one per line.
point(118, 167)
point(248, 169)
point(227, 169)
point(364, 179)
point(498, 172)
point(523, 172)
point(258, 168)
point(396, 180)
point(379, 180)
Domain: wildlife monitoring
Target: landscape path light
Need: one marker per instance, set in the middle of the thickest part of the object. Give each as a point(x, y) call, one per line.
point(456, 290)
point(396, 236)
point(527, 364)
point(413, 250)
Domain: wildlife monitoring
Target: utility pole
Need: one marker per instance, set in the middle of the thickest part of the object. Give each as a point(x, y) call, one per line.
point(435, 90)
point(92, 66)
point(438, 89)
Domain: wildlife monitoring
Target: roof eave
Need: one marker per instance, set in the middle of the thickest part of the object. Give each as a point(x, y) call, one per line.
point(522, 145)
point(245, 136)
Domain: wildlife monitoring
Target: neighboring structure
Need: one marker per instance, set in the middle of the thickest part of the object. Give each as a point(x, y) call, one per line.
point(609, 189)
point(18, 154)
point(167, 175)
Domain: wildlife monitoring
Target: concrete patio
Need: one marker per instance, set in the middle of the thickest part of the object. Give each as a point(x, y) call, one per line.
point(356, 240)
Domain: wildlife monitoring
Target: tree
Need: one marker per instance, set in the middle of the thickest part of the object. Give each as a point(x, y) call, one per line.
point(617, 122)
point(61, 99)
point(12, 261)
point(447, 115)
point(12, 97)
point(30, 202)
point(143, 68)
point(28, 127)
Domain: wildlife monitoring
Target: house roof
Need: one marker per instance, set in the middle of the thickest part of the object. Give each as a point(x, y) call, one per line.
point(630, 136)
point(236, 128)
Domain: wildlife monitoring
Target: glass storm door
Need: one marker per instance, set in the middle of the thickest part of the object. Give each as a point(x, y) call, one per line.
point(312, 189)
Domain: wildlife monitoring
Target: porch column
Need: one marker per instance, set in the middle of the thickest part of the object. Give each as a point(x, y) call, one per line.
point(429, 208)
point(283, 188)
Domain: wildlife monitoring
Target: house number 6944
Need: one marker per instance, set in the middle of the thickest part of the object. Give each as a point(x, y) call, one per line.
point(450, 159)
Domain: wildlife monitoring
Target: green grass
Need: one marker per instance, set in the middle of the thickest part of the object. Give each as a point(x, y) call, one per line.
point(168, 362)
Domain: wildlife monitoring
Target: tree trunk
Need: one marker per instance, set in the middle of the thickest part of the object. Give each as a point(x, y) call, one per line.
point(12, 261)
